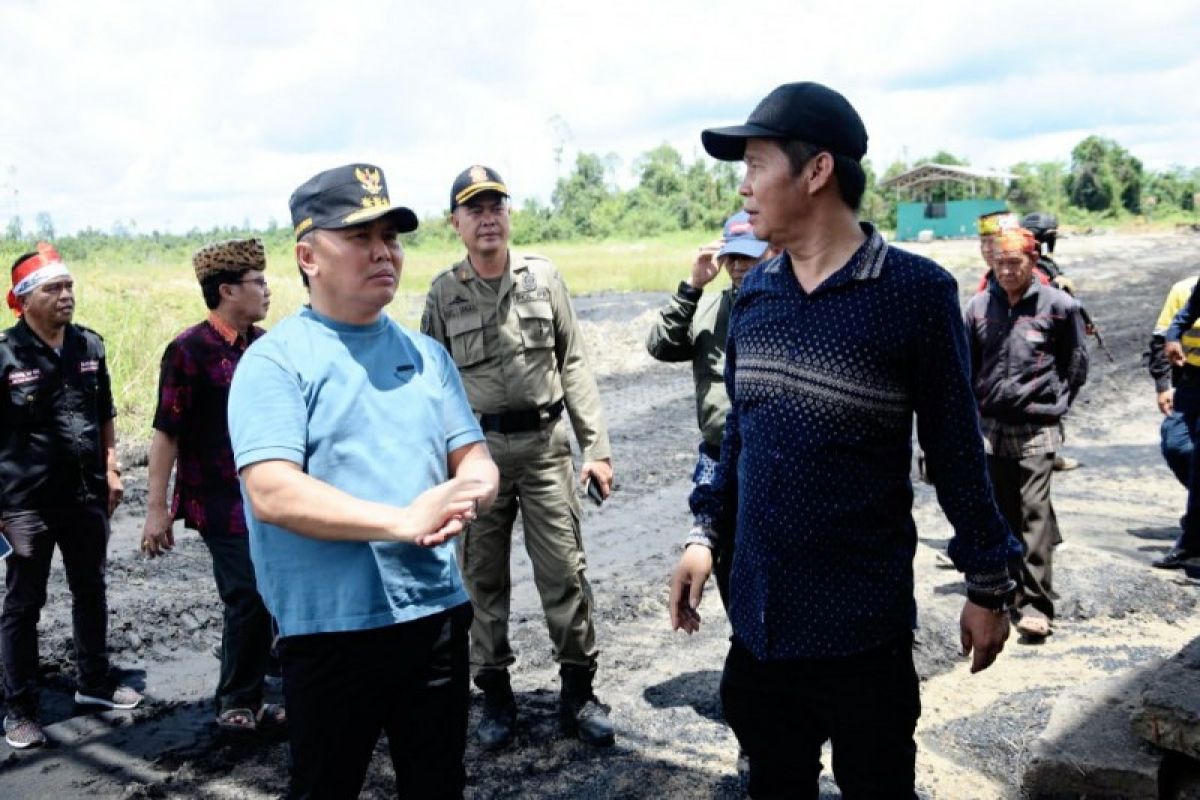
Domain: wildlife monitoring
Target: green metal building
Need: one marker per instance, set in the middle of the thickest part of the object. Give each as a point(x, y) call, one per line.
point(943, 201)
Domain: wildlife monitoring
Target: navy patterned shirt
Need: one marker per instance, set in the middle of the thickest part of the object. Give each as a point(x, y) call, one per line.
point(814, 472)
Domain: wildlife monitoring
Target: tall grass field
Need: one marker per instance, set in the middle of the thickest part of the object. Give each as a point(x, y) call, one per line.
point(140, 307)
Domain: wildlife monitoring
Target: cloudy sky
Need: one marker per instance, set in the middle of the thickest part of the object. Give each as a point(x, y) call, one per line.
point(176, 115)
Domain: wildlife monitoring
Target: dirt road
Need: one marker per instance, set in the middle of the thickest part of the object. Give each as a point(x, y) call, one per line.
point(1117, 512)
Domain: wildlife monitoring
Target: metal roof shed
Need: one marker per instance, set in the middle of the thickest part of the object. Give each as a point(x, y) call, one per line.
point(923, 199)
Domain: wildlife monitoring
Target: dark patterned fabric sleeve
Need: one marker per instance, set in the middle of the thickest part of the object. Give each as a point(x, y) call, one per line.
point(948, 430)
point(177, 375)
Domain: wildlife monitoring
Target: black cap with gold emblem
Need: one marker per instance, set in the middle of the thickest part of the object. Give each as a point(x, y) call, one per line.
point(345, 196)
point(475, 180)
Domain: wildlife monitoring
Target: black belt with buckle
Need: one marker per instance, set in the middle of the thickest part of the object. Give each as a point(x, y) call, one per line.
point(521, 421)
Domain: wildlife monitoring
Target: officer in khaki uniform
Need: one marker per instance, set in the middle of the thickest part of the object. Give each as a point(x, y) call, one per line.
point(508, 322)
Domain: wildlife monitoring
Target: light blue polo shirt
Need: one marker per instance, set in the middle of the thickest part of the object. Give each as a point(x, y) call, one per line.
point(373, 410)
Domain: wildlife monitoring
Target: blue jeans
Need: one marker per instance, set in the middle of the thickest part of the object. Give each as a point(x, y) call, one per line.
point(1187, 404)
point(1176, 443)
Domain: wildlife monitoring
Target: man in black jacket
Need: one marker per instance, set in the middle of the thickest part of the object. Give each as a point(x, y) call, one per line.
point(59, 483)
point(1028, 358)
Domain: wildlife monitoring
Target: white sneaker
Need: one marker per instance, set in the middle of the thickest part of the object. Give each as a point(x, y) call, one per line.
point(119, 696)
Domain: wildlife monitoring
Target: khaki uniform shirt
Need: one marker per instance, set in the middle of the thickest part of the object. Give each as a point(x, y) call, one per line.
point(517, 347)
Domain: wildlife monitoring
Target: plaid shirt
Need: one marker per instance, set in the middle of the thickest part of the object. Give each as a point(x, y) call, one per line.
point(1019, 439)
point(193, 393)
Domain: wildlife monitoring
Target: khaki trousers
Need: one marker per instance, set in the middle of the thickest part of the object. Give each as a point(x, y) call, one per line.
point(538, 478)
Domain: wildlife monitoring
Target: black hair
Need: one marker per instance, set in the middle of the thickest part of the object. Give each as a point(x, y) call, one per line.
point(210, 287)
point(848, 173)
point(21, 258)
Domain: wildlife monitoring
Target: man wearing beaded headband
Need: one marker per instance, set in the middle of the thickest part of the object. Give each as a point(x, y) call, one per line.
point(1029, 359)
point(59, 484)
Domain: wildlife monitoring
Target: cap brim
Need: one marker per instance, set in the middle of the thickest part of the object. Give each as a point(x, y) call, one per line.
point(743, 247)
point(729, 144)
point(487, 187)
point(404, 217)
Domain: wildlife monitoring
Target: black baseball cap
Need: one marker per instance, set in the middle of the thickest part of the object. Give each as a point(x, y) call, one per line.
point(475, 180)
point(345, 196)
point(804, 111)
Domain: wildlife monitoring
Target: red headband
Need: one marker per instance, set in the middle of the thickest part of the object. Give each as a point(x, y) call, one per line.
point(1016, 240)
point(44, 257)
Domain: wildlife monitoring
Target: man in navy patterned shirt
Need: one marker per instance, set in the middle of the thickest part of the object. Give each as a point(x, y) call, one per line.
point(833, 345)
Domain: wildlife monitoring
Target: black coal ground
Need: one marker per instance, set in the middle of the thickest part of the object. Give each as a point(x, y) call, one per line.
point(662, 686)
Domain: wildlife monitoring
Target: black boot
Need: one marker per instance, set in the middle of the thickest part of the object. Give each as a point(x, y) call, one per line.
point(499, 718)
point(579, 711)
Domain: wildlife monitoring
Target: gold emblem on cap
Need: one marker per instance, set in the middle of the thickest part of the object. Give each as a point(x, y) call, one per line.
point(478, 174)
point(370, 179)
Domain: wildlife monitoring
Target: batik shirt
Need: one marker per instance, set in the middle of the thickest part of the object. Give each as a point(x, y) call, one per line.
point(193, 394)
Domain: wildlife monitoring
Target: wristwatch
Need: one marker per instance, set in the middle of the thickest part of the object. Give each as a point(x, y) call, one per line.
point(999, 600)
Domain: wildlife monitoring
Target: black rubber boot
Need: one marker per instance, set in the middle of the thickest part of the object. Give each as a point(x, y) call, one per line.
point(579, 711)
point(499, 718)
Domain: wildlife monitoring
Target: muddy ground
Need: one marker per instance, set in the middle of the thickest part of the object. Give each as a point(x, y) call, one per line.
point(1118, 511)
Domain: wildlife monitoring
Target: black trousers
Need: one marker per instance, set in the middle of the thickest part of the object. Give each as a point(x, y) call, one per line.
point(81, 533)
point(247, 633)
point(867, 705)
point(408, 680)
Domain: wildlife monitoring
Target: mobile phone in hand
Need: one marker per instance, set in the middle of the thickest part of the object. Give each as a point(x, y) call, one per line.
point(593, 491)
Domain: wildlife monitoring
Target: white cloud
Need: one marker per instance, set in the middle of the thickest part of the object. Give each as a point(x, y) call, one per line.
point(183, 115)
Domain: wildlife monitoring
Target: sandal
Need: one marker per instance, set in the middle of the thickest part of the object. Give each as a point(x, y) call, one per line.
point(237, 719)
point(1034, 627)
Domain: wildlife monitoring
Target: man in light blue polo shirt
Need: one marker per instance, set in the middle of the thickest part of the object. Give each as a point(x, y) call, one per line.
point(360, 458)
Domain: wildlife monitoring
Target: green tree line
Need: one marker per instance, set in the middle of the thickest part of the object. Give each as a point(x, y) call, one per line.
point(1102, 182)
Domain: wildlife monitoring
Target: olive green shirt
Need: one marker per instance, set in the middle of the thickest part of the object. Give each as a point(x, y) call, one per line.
point(693, 327)
point(518, 347)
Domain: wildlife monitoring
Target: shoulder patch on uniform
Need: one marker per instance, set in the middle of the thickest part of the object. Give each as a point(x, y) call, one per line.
point(85, 329)
point(455, 271)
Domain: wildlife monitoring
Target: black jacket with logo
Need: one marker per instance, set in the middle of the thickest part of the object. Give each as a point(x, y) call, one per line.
point(1028, 360)
point(52, 408)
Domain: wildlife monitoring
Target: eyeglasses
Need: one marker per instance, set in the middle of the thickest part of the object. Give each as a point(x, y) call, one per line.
point(260, 282)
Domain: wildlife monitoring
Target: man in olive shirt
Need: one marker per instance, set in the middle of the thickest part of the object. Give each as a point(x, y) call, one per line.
point(691, 328)
point(508, 322)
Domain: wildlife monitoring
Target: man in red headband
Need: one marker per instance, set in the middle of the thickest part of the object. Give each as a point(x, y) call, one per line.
point(1028, 360)
point(59, 483)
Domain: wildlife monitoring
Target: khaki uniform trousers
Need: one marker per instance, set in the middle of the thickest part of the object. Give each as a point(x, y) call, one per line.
point(538, 478)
